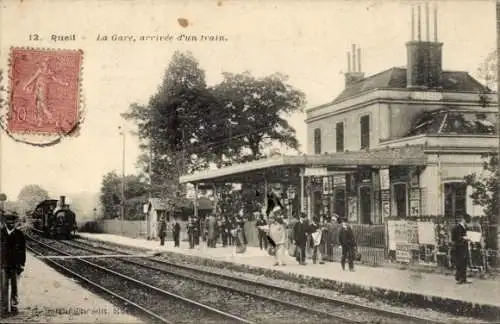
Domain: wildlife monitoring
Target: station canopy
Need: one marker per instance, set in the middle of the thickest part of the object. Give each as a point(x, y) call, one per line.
point(287, 169)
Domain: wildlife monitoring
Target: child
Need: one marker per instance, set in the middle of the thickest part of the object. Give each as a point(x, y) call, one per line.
point(277, 233)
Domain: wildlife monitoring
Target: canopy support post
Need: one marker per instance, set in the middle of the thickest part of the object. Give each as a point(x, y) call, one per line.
point(196, 200)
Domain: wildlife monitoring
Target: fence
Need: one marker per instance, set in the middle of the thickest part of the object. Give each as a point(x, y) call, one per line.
point(373, 241)
point(127, 228)
point(370, 239)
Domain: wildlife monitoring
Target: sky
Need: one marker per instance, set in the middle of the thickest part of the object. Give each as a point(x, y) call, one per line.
point(307, 40)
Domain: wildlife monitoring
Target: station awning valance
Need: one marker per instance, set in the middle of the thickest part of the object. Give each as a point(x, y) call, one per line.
point(285, 168)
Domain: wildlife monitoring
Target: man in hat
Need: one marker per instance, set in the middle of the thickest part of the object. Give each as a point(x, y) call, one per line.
point(300, 232)
point(348, 243)
point(461, 244)
point(261, 222)
point(13, 258)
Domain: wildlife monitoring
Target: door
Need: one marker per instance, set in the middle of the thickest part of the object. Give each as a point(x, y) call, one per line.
point(400, 199)
point(455, 194)
point(365, 204)
point(339, 202)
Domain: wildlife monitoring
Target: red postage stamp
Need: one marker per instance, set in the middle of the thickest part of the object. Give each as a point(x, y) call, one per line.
point(44, 91)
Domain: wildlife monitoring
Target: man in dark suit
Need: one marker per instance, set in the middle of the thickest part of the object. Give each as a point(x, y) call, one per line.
point(460, 242)
point(300, 238)
point(348, 243)
point(176, 232)
point(262, 234)
point(13, 258)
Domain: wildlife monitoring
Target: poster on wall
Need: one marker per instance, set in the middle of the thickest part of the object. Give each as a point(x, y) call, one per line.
point(327, 185)
point(414, 208)
point(386, 209)
point(339, 180)
point(353, 210)
point(402, 232)
point(385, 182)
point(426, 233)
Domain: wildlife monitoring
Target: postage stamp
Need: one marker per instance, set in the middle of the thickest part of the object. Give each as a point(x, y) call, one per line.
point(44, 91)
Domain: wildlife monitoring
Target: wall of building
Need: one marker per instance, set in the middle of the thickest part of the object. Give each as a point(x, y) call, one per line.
point(352, 129)
point(392, 114)
point(451, 168)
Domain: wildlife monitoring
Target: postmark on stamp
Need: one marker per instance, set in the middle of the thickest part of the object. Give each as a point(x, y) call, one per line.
point(44, 91)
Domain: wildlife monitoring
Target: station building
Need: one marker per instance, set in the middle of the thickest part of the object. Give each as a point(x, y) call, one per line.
point(395, 144)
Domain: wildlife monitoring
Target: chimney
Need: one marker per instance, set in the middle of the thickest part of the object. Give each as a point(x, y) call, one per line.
point(353, 75)
point(424, 58)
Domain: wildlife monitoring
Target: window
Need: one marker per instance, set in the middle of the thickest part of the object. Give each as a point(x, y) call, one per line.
point(340, 136)
point(317, 141)
point(365, 131)
point(455, 199)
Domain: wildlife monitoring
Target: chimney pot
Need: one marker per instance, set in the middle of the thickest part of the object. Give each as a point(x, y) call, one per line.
point(353, 57)
point(348, 62)
point(359, 59)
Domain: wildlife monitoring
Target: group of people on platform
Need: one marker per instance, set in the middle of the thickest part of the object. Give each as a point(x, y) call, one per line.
point(277, 233)
point(229, 229)
point(301, 232)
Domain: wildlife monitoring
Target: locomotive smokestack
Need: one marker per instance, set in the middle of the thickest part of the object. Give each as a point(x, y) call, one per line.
point(62, 199)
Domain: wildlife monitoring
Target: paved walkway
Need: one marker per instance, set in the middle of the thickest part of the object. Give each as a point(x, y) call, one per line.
point(46, 296)
point(485, 292)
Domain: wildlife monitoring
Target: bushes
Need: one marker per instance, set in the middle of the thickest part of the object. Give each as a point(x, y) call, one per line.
point(89, 227)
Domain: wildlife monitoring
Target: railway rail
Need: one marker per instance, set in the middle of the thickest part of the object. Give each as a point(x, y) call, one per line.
point(158, 305)
point(309, 305)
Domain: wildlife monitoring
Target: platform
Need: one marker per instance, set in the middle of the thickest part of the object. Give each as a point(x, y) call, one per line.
point(426, 286)
point(46, 296)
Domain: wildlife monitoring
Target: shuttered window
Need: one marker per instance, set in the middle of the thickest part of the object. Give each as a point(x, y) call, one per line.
point(317, 141)
point(365, 131)
point(339, 129)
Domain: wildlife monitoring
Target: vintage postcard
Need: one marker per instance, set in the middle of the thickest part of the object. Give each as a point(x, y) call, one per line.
point(244, 161)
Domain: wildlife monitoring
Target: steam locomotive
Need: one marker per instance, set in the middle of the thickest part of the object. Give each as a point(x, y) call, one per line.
point(53, 218)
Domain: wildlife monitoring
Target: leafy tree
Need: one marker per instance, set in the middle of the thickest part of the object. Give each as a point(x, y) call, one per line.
point(485, 194)
point(487, 71)
point(135, 196)
point(170, 123)
point(30, 196)
point(186, 126)
point(254, 112)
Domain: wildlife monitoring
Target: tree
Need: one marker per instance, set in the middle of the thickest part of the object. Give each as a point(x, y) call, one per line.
point(187, 126)
point(30, 196)
point(485, 194)
point(171, 122)
point(487, 71)
point(254, 111)
point(111, 198)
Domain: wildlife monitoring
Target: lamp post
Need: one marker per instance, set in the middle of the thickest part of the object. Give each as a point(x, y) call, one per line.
point(122, 205)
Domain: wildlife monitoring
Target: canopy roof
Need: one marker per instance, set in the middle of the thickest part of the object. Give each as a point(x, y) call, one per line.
point(286, 169)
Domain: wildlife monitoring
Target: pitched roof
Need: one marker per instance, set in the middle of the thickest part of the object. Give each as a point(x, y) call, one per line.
point(395, 78)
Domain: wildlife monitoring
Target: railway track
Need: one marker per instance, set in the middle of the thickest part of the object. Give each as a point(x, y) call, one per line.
point(332, 310)
point(158, 305)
